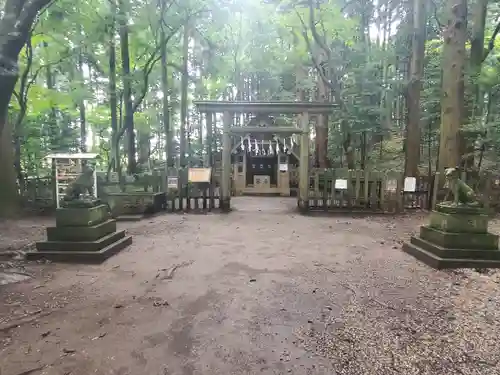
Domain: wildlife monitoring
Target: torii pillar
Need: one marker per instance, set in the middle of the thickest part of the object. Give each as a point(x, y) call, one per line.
point(303, 201)
point(225, 198)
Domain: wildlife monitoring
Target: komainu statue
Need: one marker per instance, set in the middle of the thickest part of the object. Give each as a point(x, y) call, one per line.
point(463, 194)
point(83, 185)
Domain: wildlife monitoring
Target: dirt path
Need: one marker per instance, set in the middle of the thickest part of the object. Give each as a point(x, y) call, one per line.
point(262, 290)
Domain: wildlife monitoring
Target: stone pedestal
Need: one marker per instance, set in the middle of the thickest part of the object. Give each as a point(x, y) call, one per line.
point(134, 206)
point(456, 238)
point(81, 235)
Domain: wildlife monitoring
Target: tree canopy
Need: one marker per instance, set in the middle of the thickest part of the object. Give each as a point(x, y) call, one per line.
point(117, 77)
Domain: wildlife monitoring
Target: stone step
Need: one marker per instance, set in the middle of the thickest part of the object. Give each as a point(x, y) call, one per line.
point(437, 262)
point(85, 246)
point(130, 218)
point(449, 240)
point(92, 233)
point(82, 257)
point(447, 253)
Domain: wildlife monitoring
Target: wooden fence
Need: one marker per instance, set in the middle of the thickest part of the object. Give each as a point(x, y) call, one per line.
point(197, 199)
point(38, 193)
point(365, 191)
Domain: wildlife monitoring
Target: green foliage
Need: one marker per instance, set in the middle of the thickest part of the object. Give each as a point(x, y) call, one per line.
point(238, 50)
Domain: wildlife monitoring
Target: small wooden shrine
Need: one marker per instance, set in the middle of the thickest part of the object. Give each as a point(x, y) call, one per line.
point(258, 150)
point(262, 162)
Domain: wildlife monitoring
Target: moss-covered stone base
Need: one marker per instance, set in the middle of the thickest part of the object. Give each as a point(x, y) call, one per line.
point(456, 240)
point(81, 216)
point(459, 223)
point(81, 235)
point(91, 233)
point(83, 257)
point(69, 246)
point(136, 203)
point(440, 258)
point(451, 240)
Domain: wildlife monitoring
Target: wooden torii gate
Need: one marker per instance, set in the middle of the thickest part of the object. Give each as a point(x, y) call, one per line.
point(229, 109)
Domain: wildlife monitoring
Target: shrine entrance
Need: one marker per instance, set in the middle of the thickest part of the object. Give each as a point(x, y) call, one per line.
point(260, 153)
point(258, 166)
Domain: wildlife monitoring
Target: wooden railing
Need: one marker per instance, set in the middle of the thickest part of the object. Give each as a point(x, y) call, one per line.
point(362, 190)
point(366, 191)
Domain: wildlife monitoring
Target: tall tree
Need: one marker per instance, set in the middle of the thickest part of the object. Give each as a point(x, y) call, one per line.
point(165, 104)
point(113, 102)
point(452, 102)
point(184, 95)
point(415, 87)
point(128, 118)
point(16, 23)
point(477, 56)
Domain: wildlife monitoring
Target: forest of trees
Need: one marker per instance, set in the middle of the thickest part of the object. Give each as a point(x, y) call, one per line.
point(117, 77)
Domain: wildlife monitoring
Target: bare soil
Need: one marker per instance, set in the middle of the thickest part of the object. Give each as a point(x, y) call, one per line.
point(261, 290)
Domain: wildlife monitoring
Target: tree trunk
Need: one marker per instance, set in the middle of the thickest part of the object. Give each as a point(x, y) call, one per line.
point(166, 112)
point(81, 106)
point(15, 25)
point(113, 103)
point(55, 135)
point(349, 152)
point(322, 120)
point(300, 76)
point(19, 133)
point(477, 55)
point(7, 83)
point(474, 101)
point(199, 94)
point(452, 101)
point(415, 87)
point(128, 122)
point(492, 99)
point(184, 91)
point(144, 147)
point(9, 197)
point(386, 101)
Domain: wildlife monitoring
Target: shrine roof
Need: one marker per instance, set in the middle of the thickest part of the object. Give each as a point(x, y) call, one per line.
point(291, 107)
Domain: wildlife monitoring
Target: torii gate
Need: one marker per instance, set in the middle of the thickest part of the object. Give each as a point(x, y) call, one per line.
point(230, 108)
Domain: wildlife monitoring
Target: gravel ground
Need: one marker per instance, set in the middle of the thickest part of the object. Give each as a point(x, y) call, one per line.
point(262, 290)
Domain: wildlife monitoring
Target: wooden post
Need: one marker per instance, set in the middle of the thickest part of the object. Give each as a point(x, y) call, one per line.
point(209, 139)
point(245, 182)
point(304, 163)
point(209, 162)
point(225, 200)
point(400, 191)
